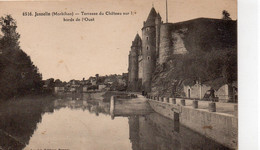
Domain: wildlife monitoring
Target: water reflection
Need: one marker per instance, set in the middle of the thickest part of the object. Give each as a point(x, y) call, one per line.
point(18, 120)
point(83, 102)
point(76, 129)
point(83, 122)
point(154, 132)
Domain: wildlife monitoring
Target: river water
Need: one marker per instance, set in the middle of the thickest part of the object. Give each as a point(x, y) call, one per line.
point(86, 124)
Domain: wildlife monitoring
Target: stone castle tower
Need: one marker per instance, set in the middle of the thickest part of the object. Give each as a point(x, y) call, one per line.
point(133, 63)
point(150, 47)
point(144, 53)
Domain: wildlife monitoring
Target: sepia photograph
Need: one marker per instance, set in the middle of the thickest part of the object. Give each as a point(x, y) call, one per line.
point(119, 75)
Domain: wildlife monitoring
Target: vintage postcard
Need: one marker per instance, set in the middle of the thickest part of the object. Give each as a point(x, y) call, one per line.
point(118, 75)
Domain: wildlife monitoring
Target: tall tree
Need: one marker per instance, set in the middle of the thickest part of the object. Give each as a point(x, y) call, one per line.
point(18, 75)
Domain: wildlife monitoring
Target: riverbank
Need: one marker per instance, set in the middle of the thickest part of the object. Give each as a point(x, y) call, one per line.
point(107, 95)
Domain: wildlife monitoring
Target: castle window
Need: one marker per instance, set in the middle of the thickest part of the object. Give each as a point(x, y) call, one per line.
point(148, 58)
point(147, 29)
point(147, 48)
point(147, 38)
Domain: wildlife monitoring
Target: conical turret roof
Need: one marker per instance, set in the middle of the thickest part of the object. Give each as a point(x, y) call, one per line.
point(137, 40)
point(151, 18)
point(159, 16)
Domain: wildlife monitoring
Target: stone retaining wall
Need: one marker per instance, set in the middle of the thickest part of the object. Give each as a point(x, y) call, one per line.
point(221, 127)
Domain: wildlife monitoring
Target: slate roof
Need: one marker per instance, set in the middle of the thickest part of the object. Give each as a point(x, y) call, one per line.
point(137, 41)
point(150, 21)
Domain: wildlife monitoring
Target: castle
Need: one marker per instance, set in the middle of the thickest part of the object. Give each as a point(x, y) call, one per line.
point(162, 40)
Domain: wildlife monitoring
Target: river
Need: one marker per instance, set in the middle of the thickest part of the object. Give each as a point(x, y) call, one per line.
point(85, 124)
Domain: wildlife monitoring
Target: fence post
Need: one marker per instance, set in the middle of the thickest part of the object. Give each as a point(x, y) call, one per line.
point(161, 99)
point(174, 101)
point(212, 107)
point(171, 100)
point(195, 104)
point(183, 102)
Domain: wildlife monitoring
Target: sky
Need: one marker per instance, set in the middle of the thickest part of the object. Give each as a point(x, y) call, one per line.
point(80, 49)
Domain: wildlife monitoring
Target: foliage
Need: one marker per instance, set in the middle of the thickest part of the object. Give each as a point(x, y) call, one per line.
point(226, 15)
point(58, 82)
point(213, 68)
point(93, 87)
point(206, 66)
point(101, 80)
point(18, 75)
point(117, 86)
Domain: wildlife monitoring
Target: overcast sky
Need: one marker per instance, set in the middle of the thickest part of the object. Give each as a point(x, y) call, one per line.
point(73, 50)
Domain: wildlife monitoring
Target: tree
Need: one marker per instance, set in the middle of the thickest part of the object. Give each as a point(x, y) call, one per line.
point(206, 66)
point(213, 68)
point(58, 82)
point(18, 75)
point(226, 15)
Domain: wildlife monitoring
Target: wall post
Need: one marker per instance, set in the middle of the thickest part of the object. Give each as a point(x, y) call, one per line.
point(195, 104)
point(212, 107)
point(183, 102)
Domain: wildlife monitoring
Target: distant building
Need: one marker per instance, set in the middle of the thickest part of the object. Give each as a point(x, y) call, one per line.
point(85, 89)
point(59, 89)
point(108, 81)
point(93, 80)
point(101, 87)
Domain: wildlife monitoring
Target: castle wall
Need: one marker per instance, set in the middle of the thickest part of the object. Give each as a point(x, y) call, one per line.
point(202, 34)
point(161, 41)
point(165, 42)
point(158, 27)
point(206, 34)
point(133, 68)
point(178, 43)
point(149, 56)
point(194, 35)
point(140, 67)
